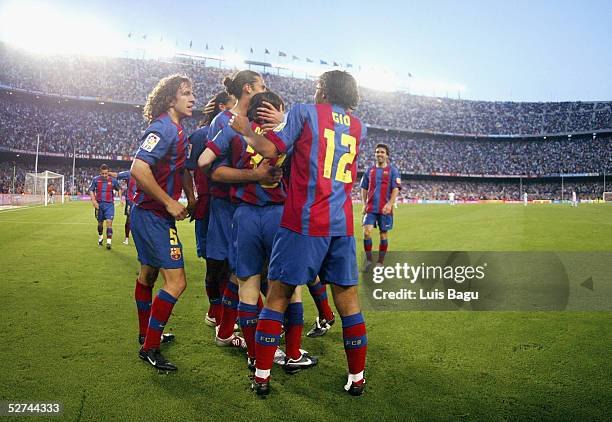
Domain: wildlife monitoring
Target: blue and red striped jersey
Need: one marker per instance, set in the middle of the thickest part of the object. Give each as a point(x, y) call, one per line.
point(131, 184)
point(233, 150)
point(323, 140)
point(103, 188)
point(380, 182)
point(197, 144)
point(163, 147)
point(221, 120)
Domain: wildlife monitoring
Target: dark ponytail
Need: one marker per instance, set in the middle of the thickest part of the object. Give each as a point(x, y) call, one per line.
point(233, 84)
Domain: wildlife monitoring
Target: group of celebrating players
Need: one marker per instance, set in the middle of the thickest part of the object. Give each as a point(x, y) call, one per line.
point(273, 212)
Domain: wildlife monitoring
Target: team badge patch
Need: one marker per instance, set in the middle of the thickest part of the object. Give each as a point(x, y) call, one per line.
point(150, 142)
point(398, 181)
point(175, 253)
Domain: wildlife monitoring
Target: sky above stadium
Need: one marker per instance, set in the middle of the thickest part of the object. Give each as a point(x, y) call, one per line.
point(543, 50)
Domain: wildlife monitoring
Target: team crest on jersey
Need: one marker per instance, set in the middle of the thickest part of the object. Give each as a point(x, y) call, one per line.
point(150, 142)
point(175, 253)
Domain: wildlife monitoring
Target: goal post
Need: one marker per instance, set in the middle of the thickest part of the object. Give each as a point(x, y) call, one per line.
point(44, 187)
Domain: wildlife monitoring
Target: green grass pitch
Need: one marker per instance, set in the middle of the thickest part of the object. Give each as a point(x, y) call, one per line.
point(69, 328)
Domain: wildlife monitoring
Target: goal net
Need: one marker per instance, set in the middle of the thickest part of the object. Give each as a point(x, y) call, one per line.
point(45, 188)
point(607, 196)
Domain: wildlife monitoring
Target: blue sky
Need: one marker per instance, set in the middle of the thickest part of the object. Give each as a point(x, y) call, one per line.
point(490, 50)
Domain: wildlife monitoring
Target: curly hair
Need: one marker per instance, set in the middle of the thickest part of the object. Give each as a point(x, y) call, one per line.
point(159, 100)
point(340, 88)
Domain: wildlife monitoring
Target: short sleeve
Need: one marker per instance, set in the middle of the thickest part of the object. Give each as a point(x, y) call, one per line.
point(197, 142)
point(116, 184)
point(155, 143)
point(221, 144)
point(92, 185)
point(285, 134)
point(396, 181)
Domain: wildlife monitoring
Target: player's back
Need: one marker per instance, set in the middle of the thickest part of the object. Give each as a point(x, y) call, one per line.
point(323, 169)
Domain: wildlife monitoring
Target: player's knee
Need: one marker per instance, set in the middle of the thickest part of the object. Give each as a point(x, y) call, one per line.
point(367, 232)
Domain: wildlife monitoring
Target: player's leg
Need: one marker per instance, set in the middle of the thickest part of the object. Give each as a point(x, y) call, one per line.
point(296, 357)
point(340, 268)
point(267, 335)
point(215, 282)
point(126, 227)
point(248, 313)
point(383, 246)
point(143, 295)
point(368, 227)
point(100, 218)
point(109, 233)
point(325, 319)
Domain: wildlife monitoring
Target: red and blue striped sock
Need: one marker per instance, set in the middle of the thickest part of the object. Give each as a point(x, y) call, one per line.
point(367, 247)
point(267, 339)
point(355, 344)
point(248, 317)
point(160, 313)
point(143, 295)
point(100, 228)
point(109, 233)
point(230, 311)
point(294, 323)
point(318, 292)
point(382, 250)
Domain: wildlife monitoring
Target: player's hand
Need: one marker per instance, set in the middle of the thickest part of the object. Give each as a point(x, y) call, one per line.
point(176, 210)
point(270, 114)
point(191, 205)
point(96, 205)
point(267, 174)
point(387, 208)
point(241, 125)
point(209, 107)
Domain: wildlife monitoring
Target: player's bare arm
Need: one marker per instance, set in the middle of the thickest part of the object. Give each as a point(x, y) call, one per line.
point(187, 183)
point(389, 205)
point(92, 195)
point(205, 159)
point(264, 173)
point(141, 171)
point(260, 144)
point(364, 200)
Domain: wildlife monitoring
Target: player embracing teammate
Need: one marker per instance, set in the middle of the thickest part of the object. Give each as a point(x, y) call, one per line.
point(316, 233)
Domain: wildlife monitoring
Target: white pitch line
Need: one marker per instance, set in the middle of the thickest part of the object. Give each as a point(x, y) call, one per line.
point(45, 223)
point(18, 208)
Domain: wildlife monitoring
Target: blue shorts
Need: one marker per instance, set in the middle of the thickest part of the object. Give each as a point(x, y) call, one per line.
point(201, 231)
point(128, 208)
point(253, 231)
point(382, 221)
point(298, 259)
point(156, 240)
point(106, 211)
point(219, 237)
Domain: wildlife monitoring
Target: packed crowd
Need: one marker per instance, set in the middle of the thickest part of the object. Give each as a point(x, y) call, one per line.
point(129, 80)
point(82, 176)
point(112, 131)
point(508, 189)
point(415, 189)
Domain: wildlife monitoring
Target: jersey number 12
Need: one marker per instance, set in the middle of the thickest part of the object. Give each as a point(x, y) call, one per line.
point(342, 173)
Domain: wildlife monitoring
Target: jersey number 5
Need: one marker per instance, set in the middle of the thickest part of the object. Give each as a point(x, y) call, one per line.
point(173, 237)
point(342, 173)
